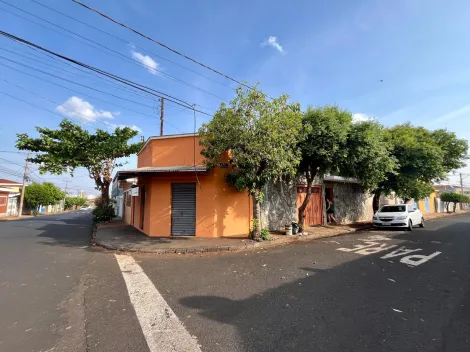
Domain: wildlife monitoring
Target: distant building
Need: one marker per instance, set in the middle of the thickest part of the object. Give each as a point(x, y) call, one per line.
point(10, 192)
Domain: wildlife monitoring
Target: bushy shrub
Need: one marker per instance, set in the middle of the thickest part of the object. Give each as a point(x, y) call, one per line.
point(454, 198)
point(101, 214)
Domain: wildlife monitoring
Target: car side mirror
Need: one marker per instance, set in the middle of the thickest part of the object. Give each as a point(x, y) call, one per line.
point(411, 211)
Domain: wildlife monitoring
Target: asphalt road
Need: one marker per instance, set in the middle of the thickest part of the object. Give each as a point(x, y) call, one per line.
point(359, 292)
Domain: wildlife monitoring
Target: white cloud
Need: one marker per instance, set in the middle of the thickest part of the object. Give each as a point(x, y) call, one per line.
point(272, 41)
point(360, 117)
point(120, 125)
point(79, 109)
point(151, 64)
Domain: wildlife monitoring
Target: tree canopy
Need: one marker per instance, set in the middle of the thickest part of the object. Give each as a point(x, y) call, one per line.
point(74, 201)
point(71, 146)
point(260, 136)
point(454, 198)
point(333, 144)
point(37, 194)
point(423, 157)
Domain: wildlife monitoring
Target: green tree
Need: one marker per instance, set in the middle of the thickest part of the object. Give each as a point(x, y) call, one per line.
point(323, 147)
point(368, 158)
point(260, 136)
point(423, 157)
point(454, 198)
point(69, 147)
point(37, 194)
point(74, 201)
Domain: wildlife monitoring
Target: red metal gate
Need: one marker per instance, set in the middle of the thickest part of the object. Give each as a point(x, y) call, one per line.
point(313, 212)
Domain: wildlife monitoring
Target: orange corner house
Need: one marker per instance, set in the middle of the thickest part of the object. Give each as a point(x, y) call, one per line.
point(172, 192)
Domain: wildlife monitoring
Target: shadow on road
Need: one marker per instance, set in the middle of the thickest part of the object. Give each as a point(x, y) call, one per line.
point(356, 307)
point(69, 230)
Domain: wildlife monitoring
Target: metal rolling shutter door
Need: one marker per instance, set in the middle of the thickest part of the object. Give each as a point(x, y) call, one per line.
point(183, 209)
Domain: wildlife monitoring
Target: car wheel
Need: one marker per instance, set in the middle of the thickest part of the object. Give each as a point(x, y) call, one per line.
point(422, 223)
point(410, 225)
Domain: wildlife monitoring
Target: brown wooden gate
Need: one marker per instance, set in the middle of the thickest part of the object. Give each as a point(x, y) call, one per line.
point(313, 213)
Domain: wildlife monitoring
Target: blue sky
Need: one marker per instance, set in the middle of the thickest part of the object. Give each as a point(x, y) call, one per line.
point(396, 61)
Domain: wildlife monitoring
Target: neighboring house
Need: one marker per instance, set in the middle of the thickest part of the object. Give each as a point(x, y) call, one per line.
point(282, 200)
point(175, 194)
point(12, 191)
point(352, 203)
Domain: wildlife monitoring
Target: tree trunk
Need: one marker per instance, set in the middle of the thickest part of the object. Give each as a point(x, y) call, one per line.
point(376, 201)
point(105, 194)
point(304, 205)
point(256, 215)
point(455, 206)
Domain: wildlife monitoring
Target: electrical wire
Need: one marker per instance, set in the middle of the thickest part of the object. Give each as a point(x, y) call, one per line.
point(99, 46)
point(161, 44)
point(131, 44)
point(76, 91)
point(77, 112)
point(108, 84)
point(70, 81)
point(141, 87)
point(11, 162)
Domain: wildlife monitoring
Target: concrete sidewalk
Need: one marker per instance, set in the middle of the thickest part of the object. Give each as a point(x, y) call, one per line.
point(119, 236)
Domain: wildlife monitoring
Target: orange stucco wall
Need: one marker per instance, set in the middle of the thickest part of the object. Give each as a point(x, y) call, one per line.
point(220, 209)
point(171, 152)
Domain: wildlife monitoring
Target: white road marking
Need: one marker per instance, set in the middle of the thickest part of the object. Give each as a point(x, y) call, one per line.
point(162, 329)
point(376, 238)
point(375, 247)
point(399, 252)
point(418, 259)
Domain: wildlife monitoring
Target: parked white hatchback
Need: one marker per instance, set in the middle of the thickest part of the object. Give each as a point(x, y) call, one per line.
point(403, 215)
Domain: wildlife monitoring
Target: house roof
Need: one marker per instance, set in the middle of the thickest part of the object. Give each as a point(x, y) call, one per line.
point(181, 135)
point(125, 174)
point(332, 178)
point(5, 182)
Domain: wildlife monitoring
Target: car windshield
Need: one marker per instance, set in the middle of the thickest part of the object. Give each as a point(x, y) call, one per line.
point(393, 209)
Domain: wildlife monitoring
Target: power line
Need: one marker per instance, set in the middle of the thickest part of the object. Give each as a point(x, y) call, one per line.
point(53, 112)
point(106, 83)
point(32, 104)
point(54, 102)
point(11, 162)
point(138, 86)
point(79, 84)
point(15, 152)
point(161, 44)
point(99, 46)
point(132, 44)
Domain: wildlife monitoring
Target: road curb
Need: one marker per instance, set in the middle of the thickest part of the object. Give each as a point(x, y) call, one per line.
point(212, 249)
point(242, 247)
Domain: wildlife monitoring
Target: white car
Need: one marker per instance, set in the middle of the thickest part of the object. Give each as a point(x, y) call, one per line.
point(402, 215)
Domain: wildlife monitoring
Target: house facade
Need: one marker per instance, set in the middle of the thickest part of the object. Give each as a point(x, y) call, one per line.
point(172, 192)
point(10, 192)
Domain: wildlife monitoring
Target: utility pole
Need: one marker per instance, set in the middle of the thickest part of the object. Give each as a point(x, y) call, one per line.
point(461, 183)
point(25, 176)
point(65, 196)
point(162, 114)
